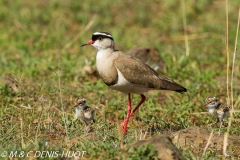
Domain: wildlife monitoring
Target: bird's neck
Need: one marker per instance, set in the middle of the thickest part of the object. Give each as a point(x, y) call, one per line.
point(104, 53)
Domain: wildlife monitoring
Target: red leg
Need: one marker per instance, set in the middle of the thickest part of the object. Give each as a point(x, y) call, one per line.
point(129, 105)
point(124, 125)
point(138, 105)
point(130, 113)
point(125, 122)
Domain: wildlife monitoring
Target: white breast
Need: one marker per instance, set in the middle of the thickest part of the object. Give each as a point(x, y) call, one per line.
point(104, 62)
point(102, 58)
point(79, 114)
point(211, 110)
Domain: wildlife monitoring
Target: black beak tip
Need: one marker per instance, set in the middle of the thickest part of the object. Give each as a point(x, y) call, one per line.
point(83, 44)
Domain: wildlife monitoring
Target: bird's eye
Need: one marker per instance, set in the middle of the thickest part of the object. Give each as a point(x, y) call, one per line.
point(100, 38)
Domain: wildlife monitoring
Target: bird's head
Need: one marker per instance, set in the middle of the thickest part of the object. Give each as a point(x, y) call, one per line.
point(80, 101)
point(101, 40)
point(211, 102)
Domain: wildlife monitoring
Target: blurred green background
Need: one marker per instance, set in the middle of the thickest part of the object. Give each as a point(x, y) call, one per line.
point(43, 69)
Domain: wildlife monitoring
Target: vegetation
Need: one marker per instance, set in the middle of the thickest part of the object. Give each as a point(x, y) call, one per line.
point(44, 69)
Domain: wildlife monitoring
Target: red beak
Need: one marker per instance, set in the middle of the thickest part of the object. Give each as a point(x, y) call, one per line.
point(88, 43)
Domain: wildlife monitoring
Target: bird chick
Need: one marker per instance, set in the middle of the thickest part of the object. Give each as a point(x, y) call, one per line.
point(84, 112)
point(217, 109)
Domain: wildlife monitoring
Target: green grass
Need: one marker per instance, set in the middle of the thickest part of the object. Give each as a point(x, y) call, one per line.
point(33, 40)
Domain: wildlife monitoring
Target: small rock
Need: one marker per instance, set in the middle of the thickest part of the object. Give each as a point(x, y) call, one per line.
point(163, 146)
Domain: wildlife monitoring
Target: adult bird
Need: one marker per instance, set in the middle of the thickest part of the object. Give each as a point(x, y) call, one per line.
point(127, 74)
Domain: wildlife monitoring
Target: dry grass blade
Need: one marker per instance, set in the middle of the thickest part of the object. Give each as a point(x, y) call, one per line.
point(236, 103)
point(227, 51)
point(86, 28)
point(185, 27)
point(22, 132)
point(199, 113)
point(234, 57)
point(209, 141)
point(231, 117)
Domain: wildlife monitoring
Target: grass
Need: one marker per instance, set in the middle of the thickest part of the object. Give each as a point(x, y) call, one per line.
point(40, 50)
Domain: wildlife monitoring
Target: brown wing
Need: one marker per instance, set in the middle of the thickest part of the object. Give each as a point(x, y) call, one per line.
point(225, 107)
point(137, 72)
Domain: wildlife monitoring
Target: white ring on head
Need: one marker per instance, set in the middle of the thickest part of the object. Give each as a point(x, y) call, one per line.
point(104, 34)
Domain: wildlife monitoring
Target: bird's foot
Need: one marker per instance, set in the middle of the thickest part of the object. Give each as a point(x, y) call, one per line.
point(124, 126)
point(226, 155)
point(88, 128)
point(209, 125)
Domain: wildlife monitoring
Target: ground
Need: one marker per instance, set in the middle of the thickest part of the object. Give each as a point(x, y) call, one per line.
point(44, 69)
